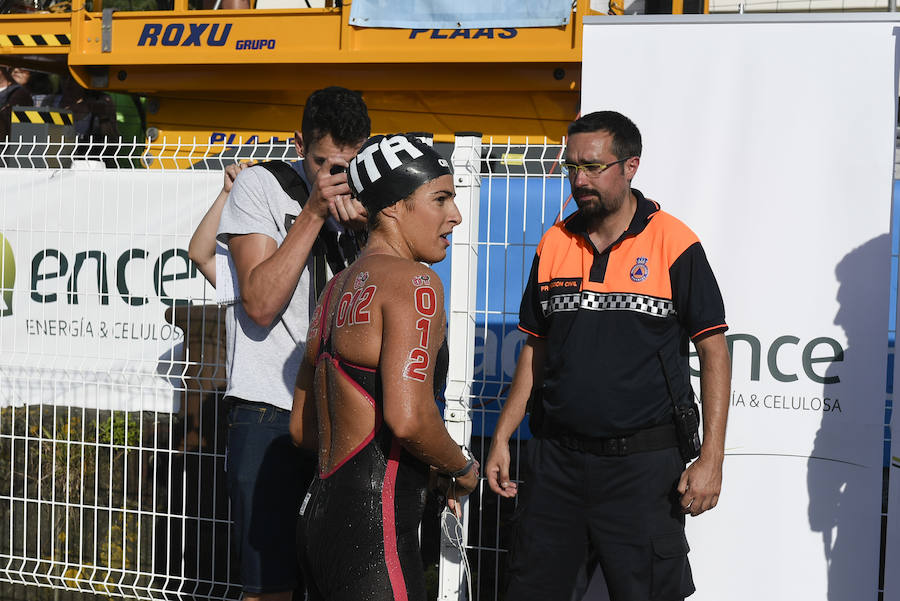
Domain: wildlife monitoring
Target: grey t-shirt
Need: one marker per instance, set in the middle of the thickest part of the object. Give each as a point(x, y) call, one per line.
point(262, 363)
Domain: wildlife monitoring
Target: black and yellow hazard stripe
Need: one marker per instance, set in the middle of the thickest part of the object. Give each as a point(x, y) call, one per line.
point(42, 117)
point(35, 40)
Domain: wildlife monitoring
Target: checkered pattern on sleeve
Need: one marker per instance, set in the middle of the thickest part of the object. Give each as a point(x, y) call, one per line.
point(562, 302)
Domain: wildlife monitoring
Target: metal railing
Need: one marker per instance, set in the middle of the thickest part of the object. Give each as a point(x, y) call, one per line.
point(112, 430)
point(112, 447)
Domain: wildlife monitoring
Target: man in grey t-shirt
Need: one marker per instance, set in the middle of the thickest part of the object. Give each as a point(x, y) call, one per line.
point(271, 240)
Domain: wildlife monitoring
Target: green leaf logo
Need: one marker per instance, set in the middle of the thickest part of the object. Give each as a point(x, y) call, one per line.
point(7, 277)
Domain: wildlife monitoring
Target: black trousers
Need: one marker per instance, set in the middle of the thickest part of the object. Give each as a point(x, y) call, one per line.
point(624, 511)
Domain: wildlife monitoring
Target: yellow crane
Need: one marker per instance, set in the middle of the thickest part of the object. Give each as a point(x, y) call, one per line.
point(223, 75)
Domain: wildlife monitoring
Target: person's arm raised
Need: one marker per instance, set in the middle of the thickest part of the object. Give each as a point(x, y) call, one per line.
point(268, 273)
point(202, 247)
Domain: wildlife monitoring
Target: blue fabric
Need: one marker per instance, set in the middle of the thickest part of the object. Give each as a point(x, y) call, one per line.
point(267, 477)
point(459, 14)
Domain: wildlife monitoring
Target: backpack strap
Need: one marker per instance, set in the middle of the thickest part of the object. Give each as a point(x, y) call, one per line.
point(294, 186)
point(289, 180)
point(336, 248)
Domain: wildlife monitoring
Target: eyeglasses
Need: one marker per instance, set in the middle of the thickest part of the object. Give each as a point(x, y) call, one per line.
point(590, 169)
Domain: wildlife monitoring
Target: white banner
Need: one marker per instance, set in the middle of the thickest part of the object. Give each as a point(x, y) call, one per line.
point(774, 141)
point(89, 263)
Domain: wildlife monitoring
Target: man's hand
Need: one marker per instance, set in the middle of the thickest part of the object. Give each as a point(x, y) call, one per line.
point(701, 482)
point(497, 470)
point(700, 485)
point(330, 195)
point(231, 172)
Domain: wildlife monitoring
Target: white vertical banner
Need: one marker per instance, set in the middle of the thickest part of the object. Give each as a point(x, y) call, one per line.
point(773, 138)
point(89, 263)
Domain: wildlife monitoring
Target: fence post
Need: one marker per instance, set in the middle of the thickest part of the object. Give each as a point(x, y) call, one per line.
point(466, 161)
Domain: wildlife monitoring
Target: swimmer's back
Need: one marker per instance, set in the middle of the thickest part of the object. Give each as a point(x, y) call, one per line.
point(378, 290)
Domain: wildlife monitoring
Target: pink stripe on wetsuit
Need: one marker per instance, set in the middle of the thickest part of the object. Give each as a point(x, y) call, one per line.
point(359, 529)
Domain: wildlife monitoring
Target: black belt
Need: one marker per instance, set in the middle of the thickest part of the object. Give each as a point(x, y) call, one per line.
point(642, 441)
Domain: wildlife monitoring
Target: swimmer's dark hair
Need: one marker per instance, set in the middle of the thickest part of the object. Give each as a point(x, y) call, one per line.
point(373, 221)
point(338, 112)
point(625, 134)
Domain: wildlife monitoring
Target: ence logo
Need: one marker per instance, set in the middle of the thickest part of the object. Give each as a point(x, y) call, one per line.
point(7, 277)
point(785, 358)
point(51, 278)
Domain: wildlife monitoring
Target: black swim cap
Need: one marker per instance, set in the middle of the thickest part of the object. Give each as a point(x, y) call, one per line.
point(388, 169)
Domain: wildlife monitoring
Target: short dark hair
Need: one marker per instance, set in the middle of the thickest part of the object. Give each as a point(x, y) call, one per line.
point(625, 134)
point(338, 112)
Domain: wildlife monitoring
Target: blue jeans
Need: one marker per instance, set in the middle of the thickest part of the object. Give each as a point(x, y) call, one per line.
point(267, 477)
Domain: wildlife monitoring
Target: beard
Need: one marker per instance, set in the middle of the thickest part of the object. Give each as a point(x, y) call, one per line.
point(598, 207)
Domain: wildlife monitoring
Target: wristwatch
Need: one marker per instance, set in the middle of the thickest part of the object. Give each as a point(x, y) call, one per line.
point(470, 463)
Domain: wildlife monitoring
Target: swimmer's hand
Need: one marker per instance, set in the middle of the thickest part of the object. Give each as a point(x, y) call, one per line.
point(439, 482)
point(453, 490)
point(461, 487)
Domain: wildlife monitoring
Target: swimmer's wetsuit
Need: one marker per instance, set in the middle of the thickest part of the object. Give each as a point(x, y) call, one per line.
point(358, 527)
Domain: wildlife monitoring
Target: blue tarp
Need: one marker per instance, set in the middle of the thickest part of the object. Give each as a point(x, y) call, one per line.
point(459, 14)
point(510, 228)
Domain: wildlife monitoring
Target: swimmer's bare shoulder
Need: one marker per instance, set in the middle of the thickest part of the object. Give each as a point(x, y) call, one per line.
point(400, 277)
point(371, 288)
point(412, 291)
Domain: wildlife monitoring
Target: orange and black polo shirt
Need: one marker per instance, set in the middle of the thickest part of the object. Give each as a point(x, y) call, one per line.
point(618, 322)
